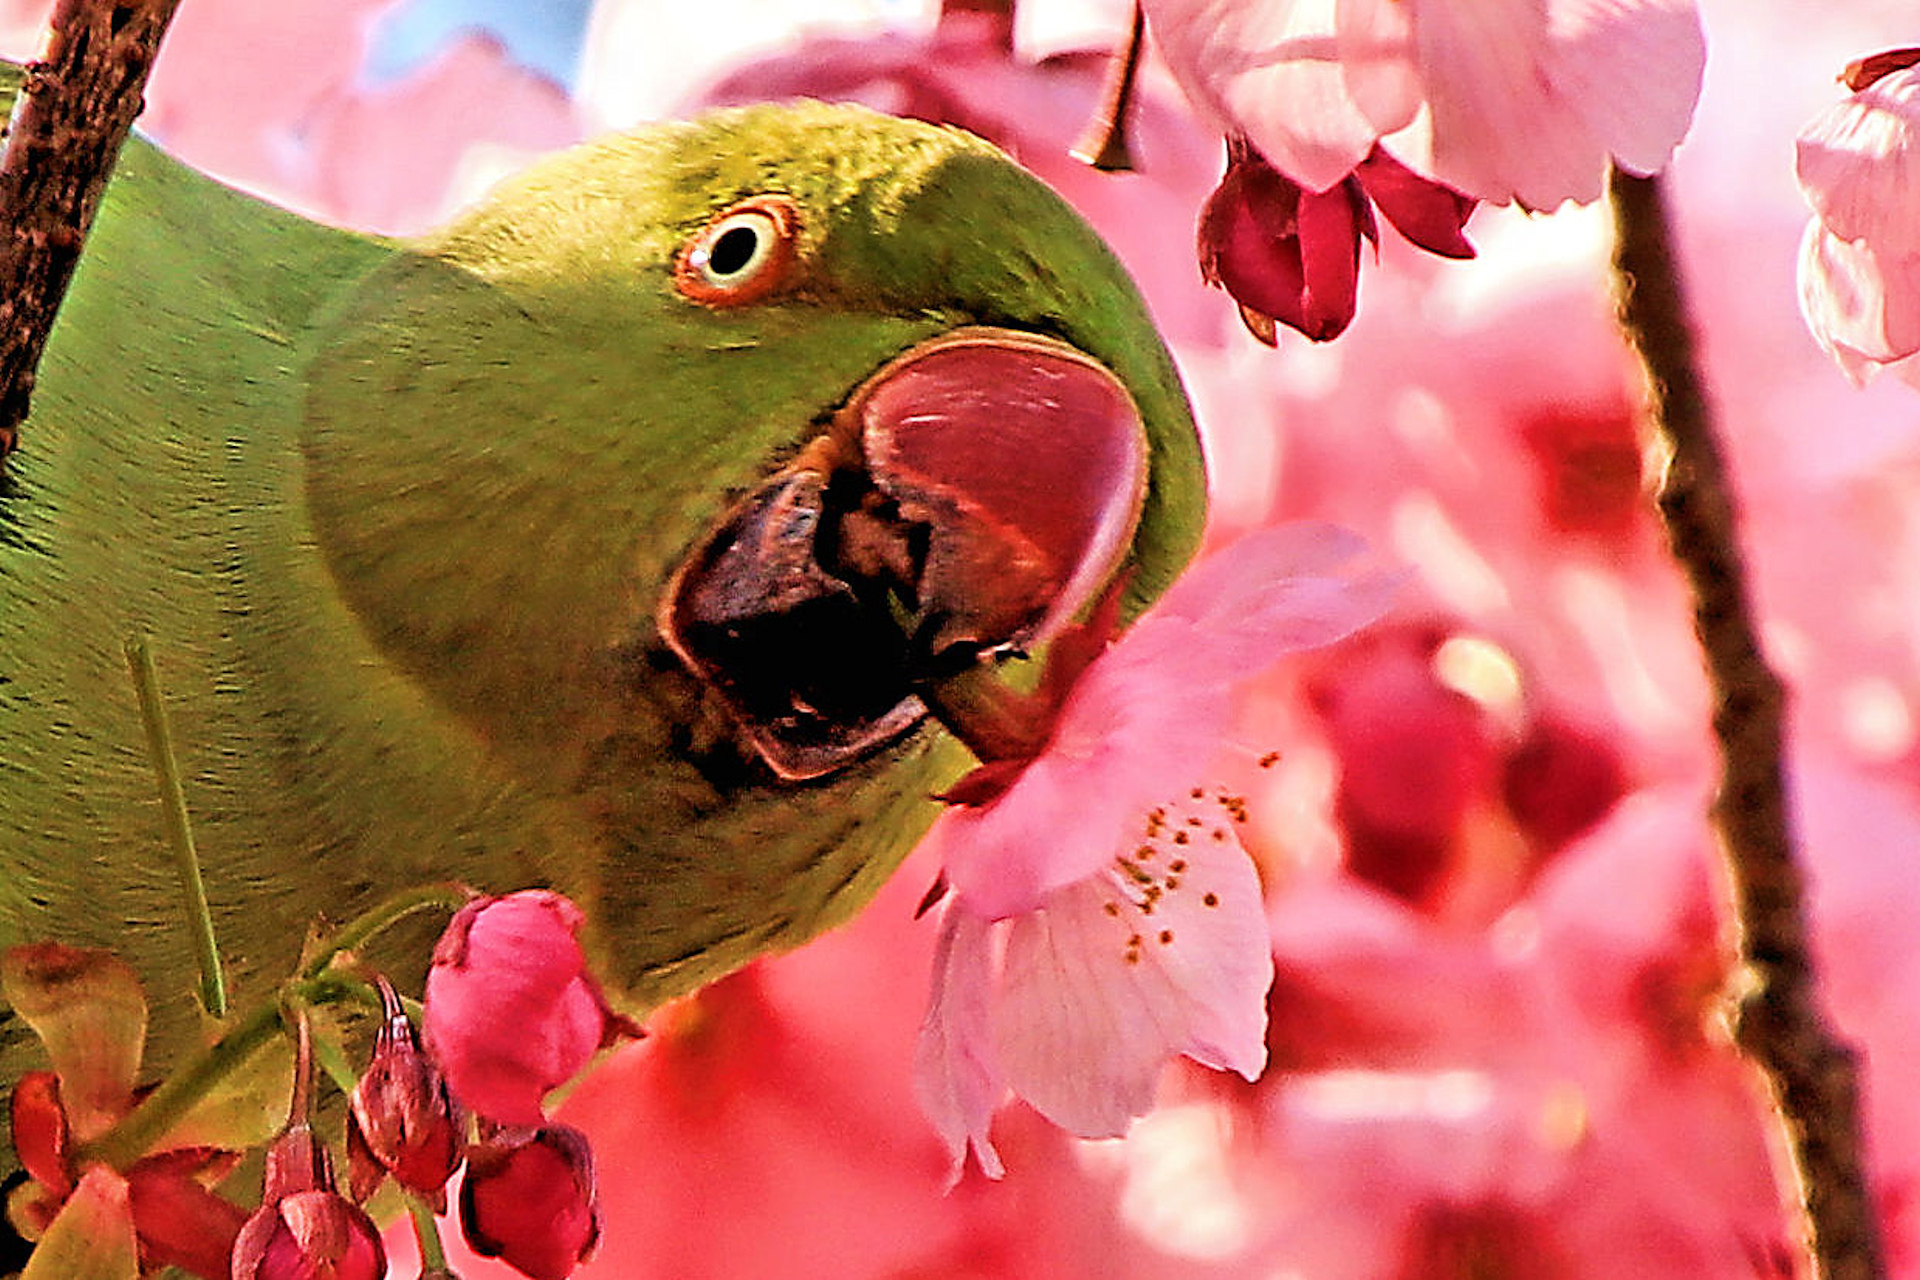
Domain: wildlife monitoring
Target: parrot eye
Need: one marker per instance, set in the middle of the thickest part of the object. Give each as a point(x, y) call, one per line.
point(742, 256)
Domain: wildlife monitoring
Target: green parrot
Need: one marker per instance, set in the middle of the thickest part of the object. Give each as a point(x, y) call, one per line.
point(599, 540)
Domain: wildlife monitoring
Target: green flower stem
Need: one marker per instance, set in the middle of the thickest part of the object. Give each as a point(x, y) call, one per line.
point(173, 809)
point(136, 1133)
point(386, 913)
point(433, 1255)
point(1779, 1024)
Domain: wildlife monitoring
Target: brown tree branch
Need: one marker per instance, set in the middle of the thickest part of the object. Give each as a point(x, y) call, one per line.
point(75, 110)
point(1779, 1021)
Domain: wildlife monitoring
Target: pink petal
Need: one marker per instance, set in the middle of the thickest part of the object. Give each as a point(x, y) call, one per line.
point(954, 1078)
point(1527, 101)
point(1375, 44)
point(1297, 586)
point(1501, 130)
point(1632, 69)
point(1863, 309)
point(1858, 164)
point(1114, 976)
point(1154, 707)
point(1267, 69)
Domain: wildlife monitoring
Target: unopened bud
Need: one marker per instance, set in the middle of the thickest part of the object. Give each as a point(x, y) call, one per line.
point(511, 1010)
point(529, 1200)
point(401, 1119)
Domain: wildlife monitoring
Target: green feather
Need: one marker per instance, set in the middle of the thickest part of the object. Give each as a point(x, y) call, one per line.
point(398, 518)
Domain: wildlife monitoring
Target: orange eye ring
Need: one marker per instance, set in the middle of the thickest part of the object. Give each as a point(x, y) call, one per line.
point(743, 254)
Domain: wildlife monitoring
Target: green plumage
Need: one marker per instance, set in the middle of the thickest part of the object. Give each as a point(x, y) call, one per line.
point(398, 518)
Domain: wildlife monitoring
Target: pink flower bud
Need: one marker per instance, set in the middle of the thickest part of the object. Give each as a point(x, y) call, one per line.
point(401, 1119)
point(529, 1200)
point(511, 1011)
point(303, 1227)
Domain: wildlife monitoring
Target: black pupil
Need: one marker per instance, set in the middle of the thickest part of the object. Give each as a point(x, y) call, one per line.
point(733, 250)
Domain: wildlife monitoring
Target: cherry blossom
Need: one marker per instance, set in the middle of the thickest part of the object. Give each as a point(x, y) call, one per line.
point(1858, 164)
point(1098, 926)
point(1509, 101)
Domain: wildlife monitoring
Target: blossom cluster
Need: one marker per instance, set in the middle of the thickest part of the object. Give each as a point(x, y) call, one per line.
point(527, 1195)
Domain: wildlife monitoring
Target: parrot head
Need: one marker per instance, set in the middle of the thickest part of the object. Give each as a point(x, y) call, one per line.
point(670, 477)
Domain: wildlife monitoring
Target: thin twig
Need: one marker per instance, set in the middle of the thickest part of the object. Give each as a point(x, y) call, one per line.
point(1105, 144)
point(75, 110)
point(173, 810)
point(1779, 1023)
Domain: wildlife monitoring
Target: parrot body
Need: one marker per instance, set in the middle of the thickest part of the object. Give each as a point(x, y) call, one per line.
point(397, 519)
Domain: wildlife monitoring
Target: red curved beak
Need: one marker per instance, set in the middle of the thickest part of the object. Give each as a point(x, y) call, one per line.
point(970, 498)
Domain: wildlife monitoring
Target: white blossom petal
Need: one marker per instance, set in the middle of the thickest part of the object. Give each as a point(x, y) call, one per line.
point(1632, 69)
point(1268, 70)
point(953, 1072)
point(1167, 953)
point(1858, 164)
point(1503, 100)
point(1863, 310)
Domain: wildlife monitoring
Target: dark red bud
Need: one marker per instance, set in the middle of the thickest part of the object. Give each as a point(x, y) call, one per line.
point(1281, 251)
point(306, 1236)
point(401, 1119)
point(297, 1161)
point(304, 1229)
point(529, 1200)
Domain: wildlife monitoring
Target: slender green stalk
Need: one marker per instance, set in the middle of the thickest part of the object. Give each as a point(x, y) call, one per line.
point(389, 911)
point(1780, 1025)
point(433, 1254)
point(138, 1131)
point(173, 810)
